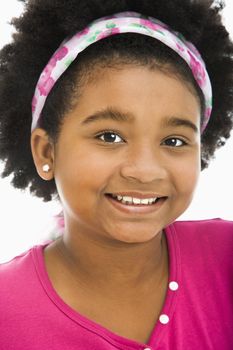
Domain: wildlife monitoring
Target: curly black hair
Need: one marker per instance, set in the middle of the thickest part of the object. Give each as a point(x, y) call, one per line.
point(46, 23)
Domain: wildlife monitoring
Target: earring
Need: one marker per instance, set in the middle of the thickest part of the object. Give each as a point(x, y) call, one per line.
point(46, 168)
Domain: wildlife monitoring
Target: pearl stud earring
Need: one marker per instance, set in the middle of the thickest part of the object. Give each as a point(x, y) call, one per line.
point(46, 168)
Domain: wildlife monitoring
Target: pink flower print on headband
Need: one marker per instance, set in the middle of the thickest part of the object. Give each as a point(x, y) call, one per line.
point(34, 103)
point(180, 48)
point(109, 32)
point(45, 85)
point(154, 26)
point(83, 32)
point(198, 70)
point(47, 82)
point(208, 112)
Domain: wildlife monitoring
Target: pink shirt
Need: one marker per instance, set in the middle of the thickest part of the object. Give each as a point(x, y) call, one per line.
point(197, 313)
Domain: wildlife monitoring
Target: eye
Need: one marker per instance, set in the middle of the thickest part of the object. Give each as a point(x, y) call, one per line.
point(175, 142)
point(109, 137)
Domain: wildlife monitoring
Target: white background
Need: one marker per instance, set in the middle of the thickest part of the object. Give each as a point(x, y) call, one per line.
point(26, 220)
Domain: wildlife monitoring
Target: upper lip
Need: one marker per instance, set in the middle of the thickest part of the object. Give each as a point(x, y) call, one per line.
point(136, 195)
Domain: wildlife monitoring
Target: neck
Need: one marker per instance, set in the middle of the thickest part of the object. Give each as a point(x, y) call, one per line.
point(123, 265)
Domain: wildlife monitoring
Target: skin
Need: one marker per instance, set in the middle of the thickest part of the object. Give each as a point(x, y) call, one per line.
point(100, 243)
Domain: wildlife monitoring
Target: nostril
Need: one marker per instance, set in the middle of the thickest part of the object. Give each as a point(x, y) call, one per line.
point(143, 171)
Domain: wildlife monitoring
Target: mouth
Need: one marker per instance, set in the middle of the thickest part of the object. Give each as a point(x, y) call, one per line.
point(136, 205)
point(134, 200)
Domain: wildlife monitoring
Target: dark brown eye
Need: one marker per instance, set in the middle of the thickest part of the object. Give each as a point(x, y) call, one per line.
point(109, 137)
point(175, 142)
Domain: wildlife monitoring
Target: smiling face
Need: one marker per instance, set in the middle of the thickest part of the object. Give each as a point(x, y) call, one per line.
point(133, 132)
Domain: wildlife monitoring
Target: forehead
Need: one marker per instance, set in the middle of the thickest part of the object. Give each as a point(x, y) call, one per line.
point(140, 91)
point(94, 71)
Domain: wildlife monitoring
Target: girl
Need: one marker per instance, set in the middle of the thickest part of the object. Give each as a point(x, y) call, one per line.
point(130, 100)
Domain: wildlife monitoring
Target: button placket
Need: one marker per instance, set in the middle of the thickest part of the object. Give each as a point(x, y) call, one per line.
point(173, 286)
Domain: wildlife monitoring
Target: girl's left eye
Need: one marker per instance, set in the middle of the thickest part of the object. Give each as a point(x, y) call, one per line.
point(175, 142)
point(109, 137)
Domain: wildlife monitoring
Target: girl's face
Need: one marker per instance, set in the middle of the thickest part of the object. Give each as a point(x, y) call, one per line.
point(133, 131)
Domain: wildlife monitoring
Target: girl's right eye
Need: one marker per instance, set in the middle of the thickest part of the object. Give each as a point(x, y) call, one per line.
point(109, 137)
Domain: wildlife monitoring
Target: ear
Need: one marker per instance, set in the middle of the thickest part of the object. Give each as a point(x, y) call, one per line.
point(43, 153)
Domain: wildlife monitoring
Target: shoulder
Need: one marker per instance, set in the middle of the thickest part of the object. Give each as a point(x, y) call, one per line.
point(212, 237)
point(15, 270)
point(15, 263)
point(14, 277)
point(19, 275)
point(24, 264)
point(213, 227)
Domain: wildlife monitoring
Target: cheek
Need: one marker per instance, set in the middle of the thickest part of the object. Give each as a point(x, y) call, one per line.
point(84, 170)
point(187, 175)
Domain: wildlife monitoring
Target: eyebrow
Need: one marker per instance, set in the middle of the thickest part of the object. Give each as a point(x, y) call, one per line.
point(127, 117)
point(177, 121)
point(109, 114)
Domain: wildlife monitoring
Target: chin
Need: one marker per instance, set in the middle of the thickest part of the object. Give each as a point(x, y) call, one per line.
point(136, 236)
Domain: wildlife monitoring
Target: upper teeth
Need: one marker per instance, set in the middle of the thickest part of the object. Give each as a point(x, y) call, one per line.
point(133, 200)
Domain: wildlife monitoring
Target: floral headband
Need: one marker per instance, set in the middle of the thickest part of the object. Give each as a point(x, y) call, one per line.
point(124, 22)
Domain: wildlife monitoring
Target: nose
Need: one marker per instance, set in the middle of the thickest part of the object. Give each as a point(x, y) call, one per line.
point(143, 164)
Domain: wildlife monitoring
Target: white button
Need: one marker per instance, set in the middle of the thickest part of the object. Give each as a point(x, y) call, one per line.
point(164, 319)
point(147, 349)
point(173, 285)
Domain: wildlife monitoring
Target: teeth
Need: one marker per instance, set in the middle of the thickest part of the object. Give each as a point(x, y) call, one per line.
point(137, 201)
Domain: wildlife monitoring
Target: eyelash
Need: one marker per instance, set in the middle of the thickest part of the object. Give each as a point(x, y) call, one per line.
point(115, 133)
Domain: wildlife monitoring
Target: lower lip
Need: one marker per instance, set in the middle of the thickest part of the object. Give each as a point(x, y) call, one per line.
point(136, 209)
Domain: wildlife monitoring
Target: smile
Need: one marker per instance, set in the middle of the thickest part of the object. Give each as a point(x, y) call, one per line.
point(133, 205)
point(135, 201)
